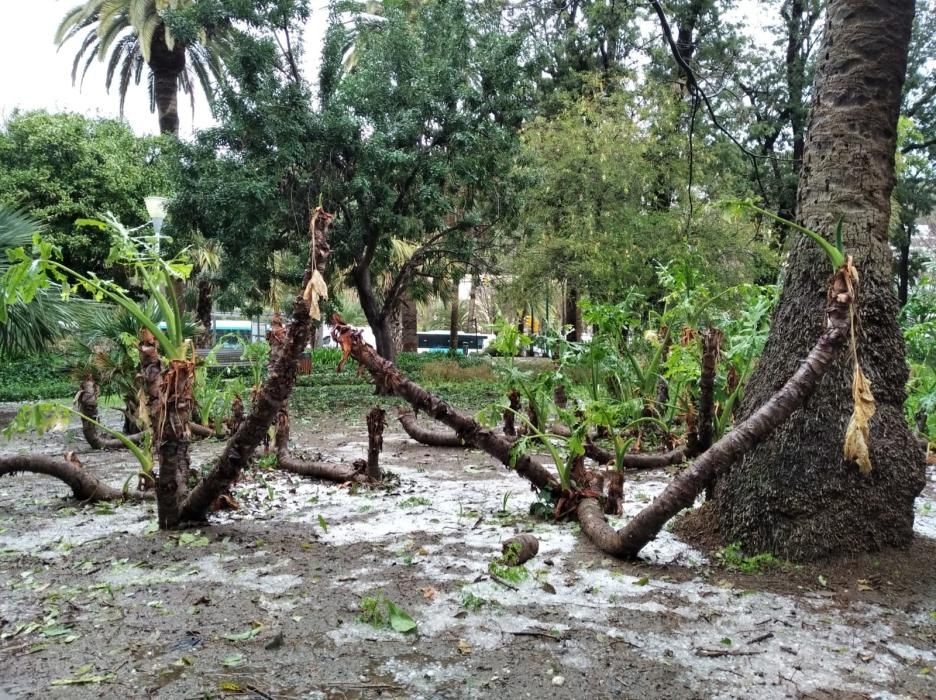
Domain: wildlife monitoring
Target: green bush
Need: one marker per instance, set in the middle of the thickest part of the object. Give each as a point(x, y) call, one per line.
point(36, 377)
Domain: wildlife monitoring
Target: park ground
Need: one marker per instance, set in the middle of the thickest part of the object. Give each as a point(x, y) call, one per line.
point(290, 595)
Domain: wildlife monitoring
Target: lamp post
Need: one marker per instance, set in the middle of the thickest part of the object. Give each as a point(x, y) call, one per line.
point(156, 208)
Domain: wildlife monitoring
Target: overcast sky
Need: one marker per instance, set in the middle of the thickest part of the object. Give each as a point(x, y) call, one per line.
point(37, 76)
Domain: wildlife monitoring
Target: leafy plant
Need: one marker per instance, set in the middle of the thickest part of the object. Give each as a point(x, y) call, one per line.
point(733, 557)
point(379, 611)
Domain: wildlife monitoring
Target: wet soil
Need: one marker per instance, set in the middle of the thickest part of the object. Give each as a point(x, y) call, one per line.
point(272, 600)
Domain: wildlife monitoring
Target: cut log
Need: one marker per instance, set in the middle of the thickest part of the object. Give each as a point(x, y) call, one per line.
point(520, 549)
point(316, 469)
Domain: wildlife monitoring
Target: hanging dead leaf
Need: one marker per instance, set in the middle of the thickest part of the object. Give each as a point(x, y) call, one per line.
point(858, 434)
point(316, 289)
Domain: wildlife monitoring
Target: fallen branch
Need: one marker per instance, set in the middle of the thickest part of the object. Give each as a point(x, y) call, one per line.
point(688, 484)
point(84, 485)
point(652, 460)
point(316, 469)
point(203, 431)
point(386, 375)
point(433, 438)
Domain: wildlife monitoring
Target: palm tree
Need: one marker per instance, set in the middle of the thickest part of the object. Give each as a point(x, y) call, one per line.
point(30, 327)
point(133, 34)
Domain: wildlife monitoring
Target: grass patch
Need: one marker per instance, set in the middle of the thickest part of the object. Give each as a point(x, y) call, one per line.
point(732, 557)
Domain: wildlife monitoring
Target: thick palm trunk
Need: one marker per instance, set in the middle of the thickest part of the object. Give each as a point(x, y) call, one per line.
point(167, 65)
point(795, 494)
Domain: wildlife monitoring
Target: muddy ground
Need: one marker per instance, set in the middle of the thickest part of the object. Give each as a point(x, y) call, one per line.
point(266, 602)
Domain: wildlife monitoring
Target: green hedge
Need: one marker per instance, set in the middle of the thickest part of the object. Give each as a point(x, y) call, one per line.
point(37, 377)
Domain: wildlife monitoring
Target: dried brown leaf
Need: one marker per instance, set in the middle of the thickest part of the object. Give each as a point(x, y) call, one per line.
point(858, 434)
point(316, 289)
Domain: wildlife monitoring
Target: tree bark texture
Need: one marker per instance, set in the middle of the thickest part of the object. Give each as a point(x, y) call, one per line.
point(385, 374)
point(795, 495)
point(689, 483)
point(274, 391)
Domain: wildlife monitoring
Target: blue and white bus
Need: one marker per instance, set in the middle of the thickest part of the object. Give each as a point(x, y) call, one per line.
point(438, 341)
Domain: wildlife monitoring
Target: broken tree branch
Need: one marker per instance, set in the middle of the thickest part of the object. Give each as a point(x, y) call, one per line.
point(84, 485)
point(386, 374)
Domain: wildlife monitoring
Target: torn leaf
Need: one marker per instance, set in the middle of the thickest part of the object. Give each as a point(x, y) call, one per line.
point(858, 434)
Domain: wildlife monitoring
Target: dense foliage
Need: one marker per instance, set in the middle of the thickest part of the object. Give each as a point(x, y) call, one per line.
point(60, 168)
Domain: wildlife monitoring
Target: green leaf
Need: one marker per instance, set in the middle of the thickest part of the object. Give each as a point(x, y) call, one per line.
point(400, 619)
point(233, 660)
point(323, 524)
point(245, 635)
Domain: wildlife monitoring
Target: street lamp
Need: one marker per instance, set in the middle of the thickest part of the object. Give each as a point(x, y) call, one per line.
point(156, 208)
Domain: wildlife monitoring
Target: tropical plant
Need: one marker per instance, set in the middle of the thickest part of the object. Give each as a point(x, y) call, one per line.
point(135, 35)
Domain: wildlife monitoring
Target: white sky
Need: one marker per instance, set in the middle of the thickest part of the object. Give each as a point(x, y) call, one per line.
point(37, 76)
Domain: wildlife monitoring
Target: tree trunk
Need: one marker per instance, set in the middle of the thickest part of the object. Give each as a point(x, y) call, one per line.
point(453, 323)
point(795, 495)
point(571, 316)
point(167, 65)
point(376, 422)
point(203, 311)
point(410, 325)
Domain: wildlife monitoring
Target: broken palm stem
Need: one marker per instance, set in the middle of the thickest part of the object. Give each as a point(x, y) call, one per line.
point(376, 422)
point(386, 375)
point(317, 469)
point(279, 383)
point(644, 460)
point(433, 438)
point(701, 439)
point(84, 485)
point(688, 484)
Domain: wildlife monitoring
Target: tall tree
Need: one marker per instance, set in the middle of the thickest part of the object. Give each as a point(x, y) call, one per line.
point(133, 34)
point(416, 147)
point(796, 495)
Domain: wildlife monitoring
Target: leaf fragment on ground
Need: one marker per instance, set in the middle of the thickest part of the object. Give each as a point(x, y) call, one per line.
point(400, 619)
